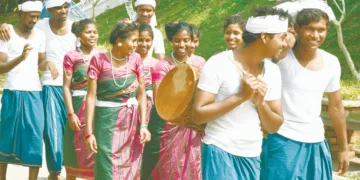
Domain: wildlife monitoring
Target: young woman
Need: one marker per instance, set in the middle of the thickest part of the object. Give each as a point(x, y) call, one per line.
point(78, 161)
point(174, 152)
point(146, 37)
point(234, 26)
point(195, 44)
point(116, 102)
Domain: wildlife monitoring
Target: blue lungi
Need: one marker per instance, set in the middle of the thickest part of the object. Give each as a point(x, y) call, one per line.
point(288, 159)
point(218, 164)
point(21, 128)
point(263, 158)
point(55, 121)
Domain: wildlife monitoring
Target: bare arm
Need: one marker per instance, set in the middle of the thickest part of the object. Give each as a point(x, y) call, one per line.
point(90, 105)
point(337, 114)
point(42, 62)
point(205, 109)
point(6, 66)
point(141, 96)
point(4, 32)
point(270, 113)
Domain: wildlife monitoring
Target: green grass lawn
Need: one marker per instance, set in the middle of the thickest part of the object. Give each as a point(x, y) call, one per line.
point(209, 16)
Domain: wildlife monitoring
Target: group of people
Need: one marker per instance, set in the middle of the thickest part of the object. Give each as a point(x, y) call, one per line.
point(260, 99)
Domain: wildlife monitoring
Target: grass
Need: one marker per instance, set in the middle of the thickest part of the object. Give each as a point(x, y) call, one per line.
point(350, 89)
point(209, 17)
point(357, 143)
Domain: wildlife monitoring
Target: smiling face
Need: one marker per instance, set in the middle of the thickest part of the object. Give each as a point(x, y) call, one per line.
point(311, 36)
point(274, 46)
point(194, 44)
point(145, 12)
point(144, 43)
point(60, 13)
point(89, 36)
point(233, 36)
point(181, 43)
point(129, 44)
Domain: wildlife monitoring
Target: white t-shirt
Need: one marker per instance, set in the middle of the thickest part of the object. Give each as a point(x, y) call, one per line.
point(237, 132)
point(158, 43)
point(302, 92)
point(56, 48)
point(25, 75)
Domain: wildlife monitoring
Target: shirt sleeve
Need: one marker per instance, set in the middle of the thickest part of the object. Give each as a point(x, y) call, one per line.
point(159, 47)
point(334, 83)
point(68, 63)
point(94, 67)
point(159, 71)
point(209, 78)
point(274, 84)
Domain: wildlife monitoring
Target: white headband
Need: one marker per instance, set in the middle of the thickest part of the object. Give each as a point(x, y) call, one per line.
point(30, 6)
point(55, 3)
point(145, 2)
point(267, 24)
point(294, 8)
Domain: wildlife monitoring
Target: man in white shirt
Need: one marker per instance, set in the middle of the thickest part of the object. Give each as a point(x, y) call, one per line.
point(238, 92)
point(145, 9)
point(298, 150)
point(22, 113)
point(59, 41)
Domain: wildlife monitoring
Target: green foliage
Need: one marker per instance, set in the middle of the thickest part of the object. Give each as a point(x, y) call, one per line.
point(350, 89)
point(209, 16)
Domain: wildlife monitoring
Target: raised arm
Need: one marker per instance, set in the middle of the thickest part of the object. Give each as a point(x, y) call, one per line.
point(205, 109)
point(6, 66)
point(4, 32)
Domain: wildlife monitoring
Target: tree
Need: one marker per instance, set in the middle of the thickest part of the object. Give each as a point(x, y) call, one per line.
point(94, 3)
point(341, 44)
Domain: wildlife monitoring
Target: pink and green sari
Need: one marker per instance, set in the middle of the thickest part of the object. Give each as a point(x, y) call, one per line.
point(116, 118)
point(149, 64)
point(78, 161)
point(174, 152)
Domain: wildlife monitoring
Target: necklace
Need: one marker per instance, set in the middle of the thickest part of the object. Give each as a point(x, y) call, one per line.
point(112, 71)
point(175, 60)
point(117, 59)
point(86, 57)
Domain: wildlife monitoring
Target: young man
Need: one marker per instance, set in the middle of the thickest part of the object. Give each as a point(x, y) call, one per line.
point(59, 41)
point(145, 9)
point(22, 113)
point(298, 150)
point(236, 89)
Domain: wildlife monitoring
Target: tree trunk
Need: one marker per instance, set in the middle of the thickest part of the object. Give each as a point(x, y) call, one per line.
point(345, 51)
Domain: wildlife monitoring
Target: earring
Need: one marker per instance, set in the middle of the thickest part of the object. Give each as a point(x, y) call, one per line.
point(119, 44)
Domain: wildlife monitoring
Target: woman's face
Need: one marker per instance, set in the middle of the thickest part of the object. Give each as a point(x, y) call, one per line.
point(233, 36)
point(144, 43)
point(129, 44)
point(194, 44)
point(181, 43)
point(89, 36)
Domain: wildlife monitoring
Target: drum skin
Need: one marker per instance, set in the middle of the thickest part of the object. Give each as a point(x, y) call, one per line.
point(174, 96)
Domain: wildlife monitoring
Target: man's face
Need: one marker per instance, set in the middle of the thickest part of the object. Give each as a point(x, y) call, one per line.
point(290, 42)
point(60, 13)
point(145, 12)
point(275, 45)
point(30, 19)
point(311, 36)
